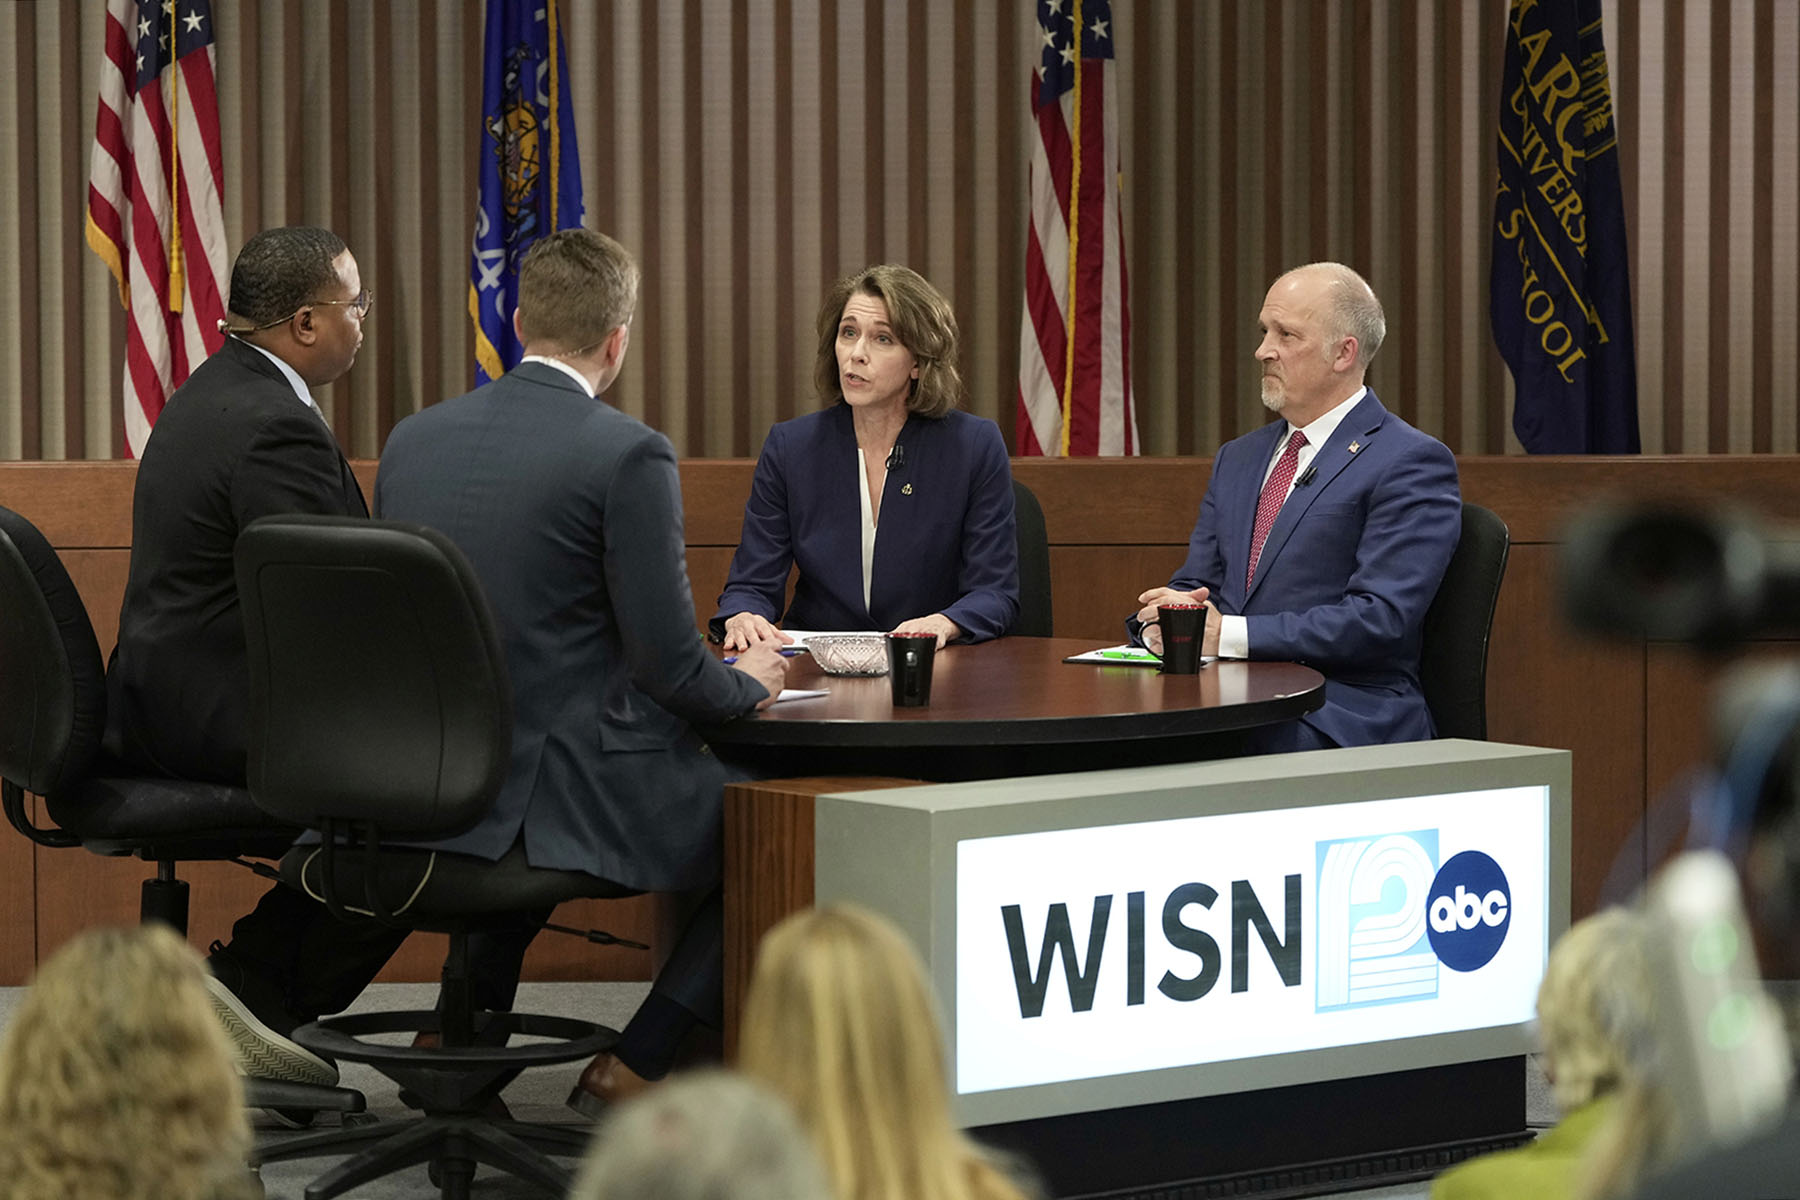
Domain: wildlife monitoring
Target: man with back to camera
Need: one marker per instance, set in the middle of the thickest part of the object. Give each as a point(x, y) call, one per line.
point(570, 512)
point(243, 439)
point(1322, 537)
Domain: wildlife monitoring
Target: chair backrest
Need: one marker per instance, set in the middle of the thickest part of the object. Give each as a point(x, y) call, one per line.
point(1453, 664)
point(52, 682)
point(1034, 619)
point(377, 688)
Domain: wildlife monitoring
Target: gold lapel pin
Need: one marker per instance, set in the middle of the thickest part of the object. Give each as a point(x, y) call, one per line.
point(1355, 446)
point(907, 490)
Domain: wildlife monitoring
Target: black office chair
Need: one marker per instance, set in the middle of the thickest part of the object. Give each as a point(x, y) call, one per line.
point(52, 714)
point(1034, 619)
point(380, 710)
point(1453, 664)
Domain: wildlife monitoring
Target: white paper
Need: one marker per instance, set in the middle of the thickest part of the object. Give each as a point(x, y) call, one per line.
point(800, 694)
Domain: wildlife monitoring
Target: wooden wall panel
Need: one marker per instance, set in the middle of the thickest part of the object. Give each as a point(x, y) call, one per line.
point(769, 868)
point(99, 575)
point(1094, 588)
point(707, 568)
point(18, 908)
point(77, 890)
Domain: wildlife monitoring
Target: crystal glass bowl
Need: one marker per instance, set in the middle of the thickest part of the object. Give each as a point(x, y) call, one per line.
point(849, 653)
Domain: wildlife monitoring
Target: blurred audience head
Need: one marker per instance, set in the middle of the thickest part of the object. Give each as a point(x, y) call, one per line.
point(840, 1021)
point(116, 1079)
point(707, 1136)
point(1597, 1021)
point(1594, 1008)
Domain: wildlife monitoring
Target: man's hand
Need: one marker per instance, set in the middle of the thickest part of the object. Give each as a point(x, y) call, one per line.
point(764, 663)
point(936, 623)
point(1146, 616)
point(747, 629)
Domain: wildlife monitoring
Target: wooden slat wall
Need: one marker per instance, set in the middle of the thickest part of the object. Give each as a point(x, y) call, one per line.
point(751, 150)
point(1633, 714)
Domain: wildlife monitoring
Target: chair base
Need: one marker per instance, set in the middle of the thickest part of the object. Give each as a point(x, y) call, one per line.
point(452, 1084)
point(453, 1145)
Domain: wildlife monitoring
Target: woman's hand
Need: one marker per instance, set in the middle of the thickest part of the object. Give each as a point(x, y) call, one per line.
point(937, 623)
point(747, 629)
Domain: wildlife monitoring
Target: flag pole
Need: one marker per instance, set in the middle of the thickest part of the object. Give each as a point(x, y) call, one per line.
point(555, 114)
point(176, 283)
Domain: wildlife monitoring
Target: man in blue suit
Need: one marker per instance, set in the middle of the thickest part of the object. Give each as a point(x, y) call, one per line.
point(1323, 536)
point(570, 513)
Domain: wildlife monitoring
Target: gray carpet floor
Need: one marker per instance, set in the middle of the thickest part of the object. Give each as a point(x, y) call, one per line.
point(538, 1095)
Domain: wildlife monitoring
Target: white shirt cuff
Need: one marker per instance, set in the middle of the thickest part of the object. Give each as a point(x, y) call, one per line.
point(1234, 637)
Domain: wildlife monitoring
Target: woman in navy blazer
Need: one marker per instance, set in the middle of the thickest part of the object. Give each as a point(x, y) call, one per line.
point(897, 509)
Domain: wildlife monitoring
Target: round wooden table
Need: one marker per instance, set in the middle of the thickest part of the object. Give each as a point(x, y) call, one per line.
point(1013, 707)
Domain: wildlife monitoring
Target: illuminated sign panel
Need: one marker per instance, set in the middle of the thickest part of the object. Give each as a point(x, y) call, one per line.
point(1090, 952)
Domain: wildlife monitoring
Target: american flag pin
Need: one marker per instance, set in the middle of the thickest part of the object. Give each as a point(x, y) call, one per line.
point(907, 490)
point(1355, 446)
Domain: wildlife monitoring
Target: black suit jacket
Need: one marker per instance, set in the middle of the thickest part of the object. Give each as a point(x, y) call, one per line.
point(233, 444)
point(570, 512)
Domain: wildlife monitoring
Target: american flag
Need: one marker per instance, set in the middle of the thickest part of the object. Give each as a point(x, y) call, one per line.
point(1075, 344)
point(155, 213)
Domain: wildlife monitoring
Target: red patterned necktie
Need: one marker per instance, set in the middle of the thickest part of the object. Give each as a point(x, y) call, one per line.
point(1268, 507)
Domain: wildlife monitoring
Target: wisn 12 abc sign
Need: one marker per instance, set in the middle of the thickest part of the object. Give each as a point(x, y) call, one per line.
point(1084, 953)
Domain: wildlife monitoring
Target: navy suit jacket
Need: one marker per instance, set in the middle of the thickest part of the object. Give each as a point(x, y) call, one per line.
point(234, 443)
point(1348, 570)
point(570, 512)
point(944, 542)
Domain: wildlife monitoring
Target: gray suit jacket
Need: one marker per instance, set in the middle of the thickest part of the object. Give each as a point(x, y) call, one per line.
point(570, 512)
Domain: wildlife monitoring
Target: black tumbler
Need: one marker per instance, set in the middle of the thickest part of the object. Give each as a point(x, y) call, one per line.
point(1183, 627)
point(909, 668)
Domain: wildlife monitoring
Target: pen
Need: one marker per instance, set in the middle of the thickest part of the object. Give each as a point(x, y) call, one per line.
point(1128, 655)
point(787, 652)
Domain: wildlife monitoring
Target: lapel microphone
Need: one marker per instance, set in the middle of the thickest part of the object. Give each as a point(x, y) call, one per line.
point(1306, 476)
point(896, 457)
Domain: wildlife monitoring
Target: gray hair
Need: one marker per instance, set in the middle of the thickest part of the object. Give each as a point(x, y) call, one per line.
point(1355, 309)
point(711, 1135)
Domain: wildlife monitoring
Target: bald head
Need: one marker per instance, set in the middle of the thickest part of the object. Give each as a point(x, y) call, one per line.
point(1321, 325)
point(1350, 306)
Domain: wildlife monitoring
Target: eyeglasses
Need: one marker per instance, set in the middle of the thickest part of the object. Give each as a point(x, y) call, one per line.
point(358, 304)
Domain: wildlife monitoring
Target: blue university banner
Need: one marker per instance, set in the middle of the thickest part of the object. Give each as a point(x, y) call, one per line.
point(1560, 293)
point(529, 170)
